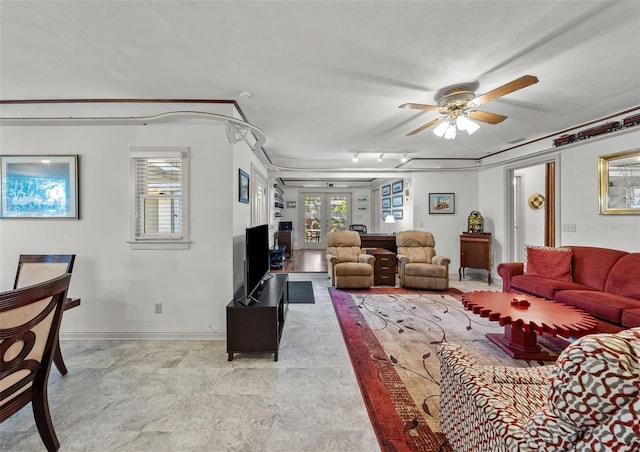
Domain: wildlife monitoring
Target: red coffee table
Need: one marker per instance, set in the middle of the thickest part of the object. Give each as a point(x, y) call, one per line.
point(522, 323)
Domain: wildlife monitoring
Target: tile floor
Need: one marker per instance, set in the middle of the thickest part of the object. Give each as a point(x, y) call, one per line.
point(185, 396)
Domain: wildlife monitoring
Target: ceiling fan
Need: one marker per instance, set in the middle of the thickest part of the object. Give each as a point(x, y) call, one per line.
point(457, 107)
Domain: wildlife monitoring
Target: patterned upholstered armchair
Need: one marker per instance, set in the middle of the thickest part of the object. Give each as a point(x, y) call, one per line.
point(419, 266)
point(588, 400)
point(348, 266)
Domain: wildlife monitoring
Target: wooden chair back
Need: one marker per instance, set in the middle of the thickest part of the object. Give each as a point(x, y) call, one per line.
point(35, 268)
point(29, 325)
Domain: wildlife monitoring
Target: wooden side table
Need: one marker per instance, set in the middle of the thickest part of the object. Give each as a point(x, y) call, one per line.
point(284, 241)
point(475, 252)
point(384, 268)
point(276, 258)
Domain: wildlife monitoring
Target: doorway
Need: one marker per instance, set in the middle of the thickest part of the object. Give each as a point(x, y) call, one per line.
point(322, 213)
point(259, 198)
point(531, 216)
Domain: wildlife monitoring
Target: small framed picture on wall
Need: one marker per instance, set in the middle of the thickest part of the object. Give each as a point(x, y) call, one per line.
point(243, 187)
point(442, 203)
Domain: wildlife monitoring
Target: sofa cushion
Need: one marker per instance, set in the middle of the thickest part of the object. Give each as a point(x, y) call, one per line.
point(543, 287)
point(594, 397)
point(419, 269)
point(417, 253)
point(624, 278)
point(631, 318)
point(353, 269)
point(591, 265)
point(599, 304)
point(345, 253)
point(548, 262)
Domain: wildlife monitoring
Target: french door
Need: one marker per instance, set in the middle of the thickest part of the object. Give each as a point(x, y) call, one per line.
point(322, 213)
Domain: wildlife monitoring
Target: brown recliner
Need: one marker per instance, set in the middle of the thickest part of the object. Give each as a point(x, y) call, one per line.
point(348, 266)
point(419, 266)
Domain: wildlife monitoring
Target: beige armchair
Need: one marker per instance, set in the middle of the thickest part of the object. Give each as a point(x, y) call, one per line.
point(419, 266)
point(348, 266)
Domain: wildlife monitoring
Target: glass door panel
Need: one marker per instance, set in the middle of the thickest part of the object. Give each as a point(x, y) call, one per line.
point(323, 212)
point(312, 220)
point(339, 212)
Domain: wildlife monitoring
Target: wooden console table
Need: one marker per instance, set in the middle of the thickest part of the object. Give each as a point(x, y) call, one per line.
point(475, 252)
point(257, 328)
point(284, 241)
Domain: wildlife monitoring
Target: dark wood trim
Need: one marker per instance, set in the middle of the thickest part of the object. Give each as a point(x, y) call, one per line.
point(550, 205)
point(120, 100)
point(562, 131)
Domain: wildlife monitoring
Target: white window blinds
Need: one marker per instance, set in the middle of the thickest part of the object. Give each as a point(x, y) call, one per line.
point(160, 204)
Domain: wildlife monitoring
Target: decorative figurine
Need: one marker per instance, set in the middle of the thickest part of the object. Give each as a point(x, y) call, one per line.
point(475, 222)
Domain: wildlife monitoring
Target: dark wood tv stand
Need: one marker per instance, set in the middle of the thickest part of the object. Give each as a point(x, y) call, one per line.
point(257, 328)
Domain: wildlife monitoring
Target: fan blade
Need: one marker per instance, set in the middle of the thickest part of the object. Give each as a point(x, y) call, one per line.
point(420, 107)
point(421, 128)
point(510, 87)
point(485, 116)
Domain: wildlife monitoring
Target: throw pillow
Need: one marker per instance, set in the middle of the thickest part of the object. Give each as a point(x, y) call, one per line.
point(548, 262)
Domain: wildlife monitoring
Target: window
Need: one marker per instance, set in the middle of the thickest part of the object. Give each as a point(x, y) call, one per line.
point(160, 198)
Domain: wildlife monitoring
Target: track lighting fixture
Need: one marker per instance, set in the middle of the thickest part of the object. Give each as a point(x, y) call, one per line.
point(380, 158)
point(355, 156)
point(405, 157)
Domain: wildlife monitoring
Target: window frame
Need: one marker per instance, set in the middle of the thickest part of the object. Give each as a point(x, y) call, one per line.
point(181, 241)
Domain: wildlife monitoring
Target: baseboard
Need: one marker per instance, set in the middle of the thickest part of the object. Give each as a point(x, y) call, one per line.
point(144, 335)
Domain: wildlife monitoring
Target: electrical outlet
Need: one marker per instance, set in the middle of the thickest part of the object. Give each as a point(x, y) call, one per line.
point(158, 308)
point(568, 227)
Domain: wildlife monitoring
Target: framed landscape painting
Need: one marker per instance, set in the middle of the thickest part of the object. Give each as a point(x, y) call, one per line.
point(39, 186)
point(442, 203)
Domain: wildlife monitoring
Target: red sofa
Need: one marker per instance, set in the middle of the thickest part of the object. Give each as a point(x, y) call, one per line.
point(604, 282)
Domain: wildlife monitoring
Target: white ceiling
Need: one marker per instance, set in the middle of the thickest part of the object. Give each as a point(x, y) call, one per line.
point(326, 78)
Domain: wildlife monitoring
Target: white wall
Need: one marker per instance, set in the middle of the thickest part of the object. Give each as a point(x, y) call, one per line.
point(446, 228)
point(119, 286)
point(578, 193)
point(579, 196)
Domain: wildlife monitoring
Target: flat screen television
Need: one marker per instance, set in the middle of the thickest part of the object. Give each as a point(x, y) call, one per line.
point(256, 260)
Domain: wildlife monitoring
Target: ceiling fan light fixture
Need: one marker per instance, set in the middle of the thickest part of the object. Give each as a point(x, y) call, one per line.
point(441, 129)
point(466, 124)
point(450, 134)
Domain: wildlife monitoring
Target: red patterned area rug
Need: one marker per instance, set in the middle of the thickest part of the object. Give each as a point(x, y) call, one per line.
point(391, 335)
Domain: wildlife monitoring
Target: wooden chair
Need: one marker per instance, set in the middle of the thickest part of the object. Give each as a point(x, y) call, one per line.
point(359, 228)
point(36, 268)
point(29, 324)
